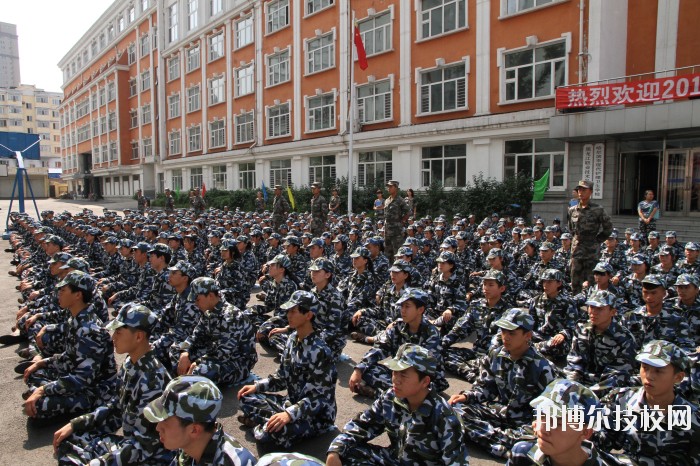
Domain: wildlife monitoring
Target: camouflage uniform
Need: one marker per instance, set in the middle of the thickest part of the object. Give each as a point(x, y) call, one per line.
point(278, 294)
point(160, 294)
point(690, 314)
point(231, 285)
point(589, 226)
point(331, 318)
point(307, 371)
point(375, 319)
point(358, 290)
point(395, 209)
point(280, 207)
point(431, 435)
point(169, 203)
point(556, 316)
point(617, 259)
point(319, 214)
point(666, 325)
point(138, 383)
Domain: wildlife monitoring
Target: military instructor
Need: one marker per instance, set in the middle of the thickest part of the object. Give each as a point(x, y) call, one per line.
point(590, 225)
point(395, 215)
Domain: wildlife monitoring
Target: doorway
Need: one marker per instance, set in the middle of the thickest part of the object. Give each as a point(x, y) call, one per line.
point(639, 171)
point(681, 182)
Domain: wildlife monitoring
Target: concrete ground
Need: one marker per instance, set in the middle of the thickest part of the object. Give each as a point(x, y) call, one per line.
point(30, 446)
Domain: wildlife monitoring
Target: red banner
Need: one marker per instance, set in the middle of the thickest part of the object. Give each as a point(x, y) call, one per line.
point(653, 90)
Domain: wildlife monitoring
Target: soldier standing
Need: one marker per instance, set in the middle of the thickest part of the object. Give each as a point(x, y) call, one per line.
point(280, 207)
point(319, 210)
point(395, 214)
point(169, 201)
point(334, 204)
point(590, 225)
point(141, 201)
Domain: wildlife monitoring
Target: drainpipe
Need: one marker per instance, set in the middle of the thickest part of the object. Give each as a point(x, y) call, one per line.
point(581, 54)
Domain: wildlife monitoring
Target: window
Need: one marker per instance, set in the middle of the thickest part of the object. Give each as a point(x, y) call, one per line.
point(374, 101)
point(145, 45)
point(144, 5)
point(193, 101)
point(134, 150)
point(216, 7)
point(121, 24)
point(174, 147)
point(244, 31)
point(244, 80)
point(192, 7)
point(133, 88)
point(194, 138)
point(244, 127)
point(102, 96)
point(535, 72)
point(174, 105)
point(131, 53)
point(112, 121)
point(111, 91)
point(113, 151)
point(96, 157)
point(103, 125)
point(312, 6)
point(281, 172)
point(441, 16)
point(172, 23)
point(216, 90)
point(131, 14)
point(278, 121)
point(246, 175)
point(446, 165)
point(220, 176)
point(110, 32)
point(516, 6)
point(278, 68)
point(173, 67)
point(134, 118)
point(376, 33)
point(176, 179)
point(146, 114)
point(533, 157)
point(147, 147)
point(443, 89)
point(321, 168)
point(374, 168)
point(196, 177)
point(192, 58)
point(321, 112)
point(216, 46)
point(145, 80)
point(217, 133)
point(277, 15)
point(320, 53)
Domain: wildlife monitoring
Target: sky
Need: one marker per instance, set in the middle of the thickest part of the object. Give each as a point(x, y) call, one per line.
point(47, 30)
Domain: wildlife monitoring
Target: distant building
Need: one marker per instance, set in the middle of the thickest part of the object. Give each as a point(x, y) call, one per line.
point(9, 56)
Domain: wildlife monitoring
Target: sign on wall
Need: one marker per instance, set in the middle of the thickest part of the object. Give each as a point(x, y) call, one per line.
point(593, 167)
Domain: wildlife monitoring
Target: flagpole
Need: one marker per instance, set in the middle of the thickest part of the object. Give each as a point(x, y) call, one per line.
point(351, 119)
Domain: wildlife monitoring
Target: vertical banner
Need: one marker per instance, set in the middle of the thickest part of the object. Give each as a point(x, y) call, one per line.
point(598, 169)
point(587, 169)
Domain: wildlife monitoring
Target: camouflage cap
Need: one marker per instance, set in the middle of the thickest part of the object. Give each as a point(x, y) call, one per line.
point(142, 246)
point(322, 264)
point(449, 242)
point(661, 353)
point(602, 298)
point(111, 240)
point(409, 241)
point(189, 397)
point(603, 267)
point(404, 251)
point(635, 237)
point(318, 242)
point(292, 240)
point(666, 251)
point(516, 318)
point(304, 299)
point(493, 274)
point(202, 285)
point(654, 234)
point(552, 274)
point(447, 256)
point(62, 257)
point(361, 252)
point(671, 234)
point(289, 459)
point(687, 279)
point(282, 260)
point(315, 185)
point(160, 248)
point(134, 316)
point(79, 279)
point(692, 246)
point(638, 259)
point(126, 243)
point(410, 355)
point(392, 183)
point(400, 266)
point(547, 246)
point(57, 240)
point(77, 263)
point(495, 252)
point(416, 294)
point(654, 280)
point(341, 239)
point(184, 267)
point(584, 184)
point(228, 243)
point(566, 395)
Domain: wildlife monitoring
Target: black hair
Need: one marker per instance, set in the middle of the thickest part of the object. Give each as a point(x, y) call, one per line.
point(87, 294)
point(208, 427)
point(167, 255)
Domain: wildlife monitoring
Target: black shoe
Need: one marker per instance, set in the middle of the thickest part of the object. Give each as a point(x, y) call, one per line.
point(9, 250)
point(246, 421)
point(26, 353)
point(21, 367)
point(11, 339)
point(27, 393)
point(14, 262)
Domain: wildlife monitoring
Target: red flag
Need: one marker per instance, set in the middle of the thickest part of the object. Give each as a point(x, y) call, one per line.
point(361, 54)
point(204, 190)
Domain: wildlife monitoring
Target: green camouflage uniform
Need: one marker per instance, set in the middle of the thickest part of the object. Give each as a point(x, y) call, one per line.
point(394, 212)
point(319, 214)
point(589, 226)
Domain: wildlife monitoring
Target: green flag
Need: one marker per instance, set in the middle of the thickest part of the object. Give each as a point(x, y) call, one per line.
point(540, 187)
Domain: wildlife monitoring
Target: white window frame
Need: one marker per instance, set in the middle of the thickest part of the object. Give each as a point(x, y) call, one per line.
point(282, 62)
point(145, 80)
point(111, 91)
point(244, 80)
point(281, 172)
point(510, 167)
point(316, 48)
point(374, 100)
point(373, 34)
point(244, 31)
point(427, 166)
point(196, 177)
point(216, 86)
point(194, 98)
point(193, 58)
point(133, 118)
point(322, 167)
point(133, 87)
point(173, 23)
point(517, 7)
point(245, 127)
point(131, 54)
point(194, 138)
point(147, 147)
point(276, 119)
point(215, 7)
point(320, 112)
point(367, 161)
point(276, 12)
point(145, 45)
point(146, 114)
point(176, 179)
point(311, 7)
point(246, 175)
point(192, 7)
point(506, 79)
point(135, 150)
point(219, 175)
point(216, 46)
point(217, 134)
point(424, 88)
point(174, 105)
point(174, 142)
point(424, 18)
point(173, 67)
